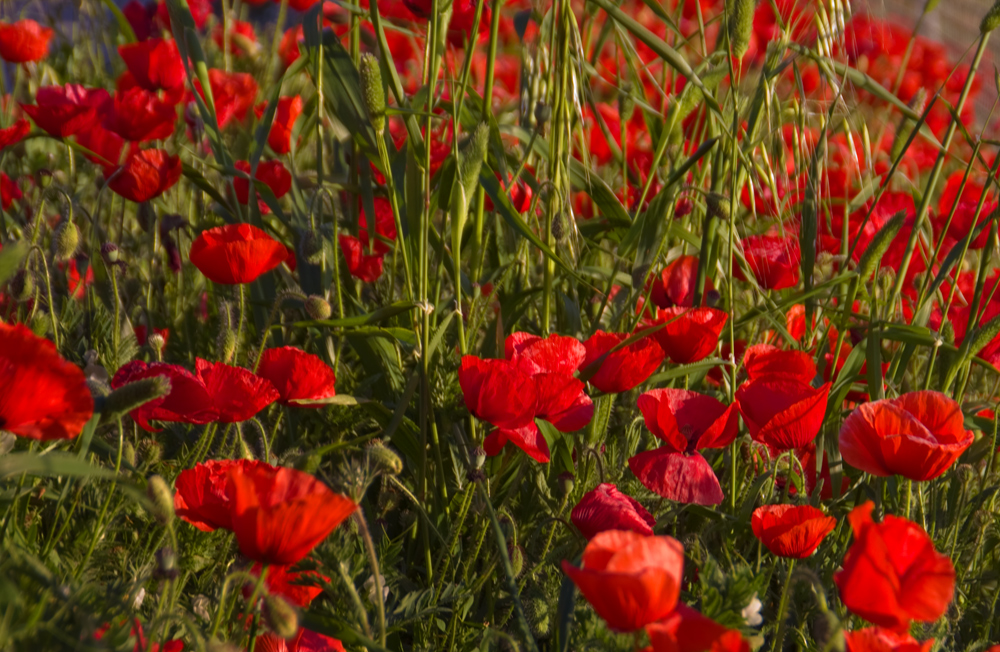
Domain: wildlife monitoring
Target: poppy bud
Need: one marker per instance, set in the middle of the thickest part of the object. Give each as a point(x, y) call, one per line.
point(166, 564)
point(566, 482)
point(824, 626)
point(478, 457)
point(110, 253)
point(151, 451)
point(739, 25)
point(146, 216)
point(947, 332)
point(22, 286)
point(317, 307)
point(66, 241)
point(308, 463)
point(227, 344)
point(559, 228)
point(43, 178)
point(156, 342)
point(373, 92)
point(311, 247)
point(132, 395)
point(516, 554)
point(128, 454)
point(639, 275)
point(991, 20)
point(385, 460)
point(162, 498)
point(717, 205)
point(542, 114)
point(280, 616)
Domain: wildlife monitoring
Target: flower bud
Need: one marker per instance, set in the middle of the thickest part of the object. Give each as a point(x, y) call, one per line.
point(471, 157)
point(478, 457)
point(66, 240)
point(146, 216)
point(717, 205)
point(372, 91)
point(516, 554)
point(110, 253)
point(156, 342)
point(559, 226)
point(22, 286)
point(384, 459)
point(227, 344)
point(626, 103)
point(43, 178)
point(128, 454)
point(308, 463)
point(162, 498)
point(311, 247)
point(317, 307)
point(280, 616)
point(566, 482)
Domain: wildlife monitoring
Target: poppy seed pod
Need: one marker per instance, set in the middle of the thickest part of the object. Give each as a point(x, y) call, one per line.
point(22, 286)
point(162, 499)
point(717, 205)
point(372, 91)
point(991, 20)
point(66, 240)
point(317, 307)
point(281, 616)
point(739, 25)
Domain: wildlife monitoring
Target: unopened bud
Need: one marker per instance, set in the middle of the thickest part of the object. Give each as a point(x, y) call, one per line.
point(66, 241)
point(626, 103)
point(311, 247)
point(110, 253)
point(308, 463)
point(146, 216)
point(317, 307)
point(162, 499)
point(227, 344)
point(825, 626)
point(478, 457)
point(373, 92)
point(156, 342)
point(22, 286)
point(717, 205)
point(280, 616)
point(128, 454)
point(471, 157)
point(566, 482)
point(43, 178)
point(559, 227)
point(948, 332)
point(135, 394)
point(385, 460)
point(516, 554)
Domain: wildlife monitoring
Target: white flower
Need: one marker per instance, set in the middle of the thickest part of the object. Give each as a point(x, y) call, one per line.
point(139, 597)
point(370, 585)
point(751, 612)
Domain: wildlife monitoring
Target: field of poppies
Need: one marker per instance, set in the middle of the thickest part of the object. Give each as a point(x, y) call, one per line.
point(454, 325)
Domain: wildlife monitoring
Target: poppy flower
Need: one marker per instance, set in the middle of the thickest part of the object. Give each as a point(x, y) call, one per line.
point(237, 394)
point(274, 175)
point(606, 508)
point(297, 375)
point(42, 396)
point(918, 436)
point(202, 495)
point(782, 413)
point(146, 174)
point(279, 515)
point(305, 641)
point(66, 110)
point(242, 39)
point(233, 93)
point(690, 334)
point(235, 254)
point(630, 579)
point(528, 438)
point(385, 226)
point(684, 477)
point(687, 420)
point(8, 191)
point(140, 18)
point(766, 360)
point(676, 284)
point(13, 134)
point(286, 113)
point(772, 259)
point(498, 392)
point(892, 574)
point(154, 63)
point(877, 639)
point(364, 266)
point(105, 147)
point(187, 402)
point(139, 115)
point(561, 401)
point(520, 195)
point(288, 584)
point(553, 354)
point(687, 630)
point(791, 531)
point(200, 11)
point(24, 41)
point(625, 368)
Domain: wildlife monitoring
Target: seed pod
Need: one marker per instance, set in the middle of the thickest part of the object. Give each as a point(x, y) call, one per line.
point(991, 20)
point(66, 241)
point(739, 25)
point(373, 92)
point(317, 307)
point(280, 616)
point(162, 498)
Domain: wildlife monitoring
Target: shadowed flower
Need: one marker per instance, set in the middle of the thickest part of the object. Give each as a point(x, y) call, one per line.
point(297, 375)
point(139, 115)
point(235, 254)
point(274, 175)
point(772, 259)
point(363, 266)
point(187, 402)
point(66, 110)
point(105, 147)
point(876, 639)
point(626, 367)
point(498, 392)
point(146, 174)
point(234, 94)
point(765, 360)
point(676, 285)
point(42, 396)
point(630, 579)
point(286, 113)
point(682, 477)
point(782, 413)
point(9, 191)
point(24, 41)
point(892, 574)
point(528, 438)
point(237, 394)
point(690, 334)
point(606, 508)
point(305, 641)
point(687, 630)
point(918, 436)
point(154, 63)
point(790, 531)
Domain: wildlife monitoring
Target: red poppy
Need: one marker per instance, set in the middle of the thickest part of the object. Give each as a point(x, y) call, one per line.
point(305, 641)
point(237, 394)
point(65, 110)
point(767, 361)
point(385, 226)
point(289, 584)
point(242, 39)
point(140, 17)
point(498, 392)
point(687, 420)
point(274, 175)
point(782, 413)
point(297, 375)
point(791, 531)
point(630, 579)
point(892, 574)
point(200, 11)
point(139, 115)
point(202, 494)
point(519, 195)
point(235, 254)
point(279, 515)
point(685, 478)
point(105, 147)
point(42, 396)
point(686, 630)
point(918, 436)
point(625, 368)
point(676, 285)
point(24, 41)
point(606, 508)
point(772, 259)
point(561, 401)
point(690, 334)
point(285, 114)
point(154, 63)
point(528, 438)
point(552, 354)
point(8, 191)
point(13, 134)
point(361, 265)
point(876, 639)
point(146, 174)
point(233, 93)
point(187, 402)
point(141, 643)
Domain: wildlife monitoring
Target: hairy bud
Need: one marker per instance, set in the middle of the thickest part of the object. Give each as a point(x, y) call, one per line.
point(280, 616)
point(384, 459)
point(66, 240)
point(311, 247)
point(162, 498)
point(471, 157)
point(110, 253)
point(516, 554)
point(317, 307)
point(717, 205)
point(22, 286)
point(132, 395)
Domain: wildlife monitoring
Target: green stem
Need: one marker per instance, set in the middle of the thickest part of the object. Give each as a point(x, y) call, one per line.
point(359, 516)
point(779, 637)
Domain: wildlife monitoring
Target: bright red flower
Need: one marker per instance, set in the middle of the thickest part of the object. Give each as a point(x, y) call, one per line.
point(630, 579)
point(237, 394)
point(288, 584)
point(688, 421)
point(561, 401)
point(139, 115)
point(690, 334)
point(8, 191)
point(528, 438)
point(918, 436)
point(553, 354)
point(782, 413)
point(625, 368)
point(876, 639)
point(367, 267)
point(202, 495)
point(105, 145)
point(235, 254)
point(200, 11)
point(146, 174)
point(498, 392)
point(66, 110)
point(42, 396)
point(606, 508)
point(13, 134)
point(519, 195)
point(24, 41)
point(234, 94)
point(772, 259)
point(285, 114)
point(686, 630)
point(279, 515)
point(154, 63)
point(767, 361)
point(892, 574)
point(685, 478)
point(305, 641)
point(790, 531)
point(676, 285)
point(297, 375)
point(385, 226)
point(552, 361)
point(274, 175)
point(140, 17)
point(187, 402)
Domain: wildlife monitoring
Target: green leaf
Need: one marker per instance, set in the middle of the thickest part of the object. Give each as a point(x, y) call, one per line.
point(11, 257)
point(339, 399)
point(54, 464)
point(879, 244)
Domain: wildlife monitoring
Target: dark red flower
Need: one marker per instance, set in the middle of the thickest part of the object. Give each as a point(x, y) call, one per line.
point(519, 195)
point(285, 114)
point(202, 495)
point(552, 354)
point(106, 147)
point(690, 334)
point(187, 402)
point(625, 368)
point(688, 421)
point(235, 254)
point(528, 438)
point(13, 134)
point(367, 267)
point(24, 41)
point(385, 226)
point(892, 574)
point(65, 110)
point(279, 515)
point(139, 115)
point(676, 285)
point(498, 392)
point(606, 508)
point(305, 641)
point(154, 63)
point(42, 396)
point(685, 478)
point(630, 579)
point(289, 584)
point(233, 93)
point(140, 17)
point(918, 436)
point(767, 361)
point(200, 11)
point(237, 394)
point(297, 375)
point(876, 639)
point(772, 259)
point(686, 630)
point(8, 191)
point(782, 413)
point(274, 175)
point(146, 174)
point(790, 531)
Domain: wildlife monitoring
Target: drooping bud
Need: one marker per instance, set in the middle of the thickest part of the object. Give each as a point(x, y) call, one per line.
point(146, 216)
point(133, 395)
point(280, 616)
point(384, 460)
point(227, 344)
point(311, 247)
point(162, 499)
point(66, 240)
point(739, 25)
point(516, 554)
point(317, 307)
point(22, 286)
point(373, 91)
point(626, 103)
point(991, 20)
point(717, 205)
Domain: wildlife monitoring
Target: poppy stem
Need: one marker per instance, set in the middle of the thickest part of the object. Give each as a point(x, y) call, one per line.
point(366, 535)
point(779, 637)
point(239, 327)
point(909, 497)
